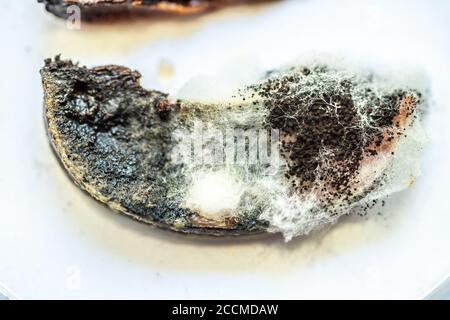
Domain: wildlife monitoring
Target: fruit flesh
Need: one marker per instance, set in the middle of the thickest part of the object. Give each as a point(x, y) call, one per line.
point(116, 140)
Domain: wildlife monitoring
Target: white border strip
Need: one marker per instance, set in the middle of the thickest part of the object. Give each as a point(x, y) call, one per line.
point(7, 293)
point(440, 292)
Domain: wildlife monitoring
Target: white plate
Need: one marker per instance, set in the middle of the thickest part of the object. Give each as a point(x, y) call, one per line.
point(56, 242)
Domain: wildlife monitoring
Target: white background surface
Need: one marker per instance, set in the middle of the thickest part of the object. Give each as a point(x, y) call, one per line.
point(55, 242)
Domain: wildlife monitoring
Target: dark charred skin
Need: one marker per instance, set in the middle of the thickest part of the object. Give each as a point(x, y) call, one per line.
point(113, 138)
point(99, 9)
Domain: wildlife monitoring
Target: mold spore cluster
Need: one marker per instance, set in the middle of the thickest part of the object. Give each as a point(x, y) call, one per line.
point(338, 130)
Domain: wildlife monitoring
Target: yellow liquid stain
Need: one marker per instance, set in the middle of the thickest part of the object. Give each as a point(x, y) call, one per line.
point(166, 71)
point(122, 37)
point(159, 249)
